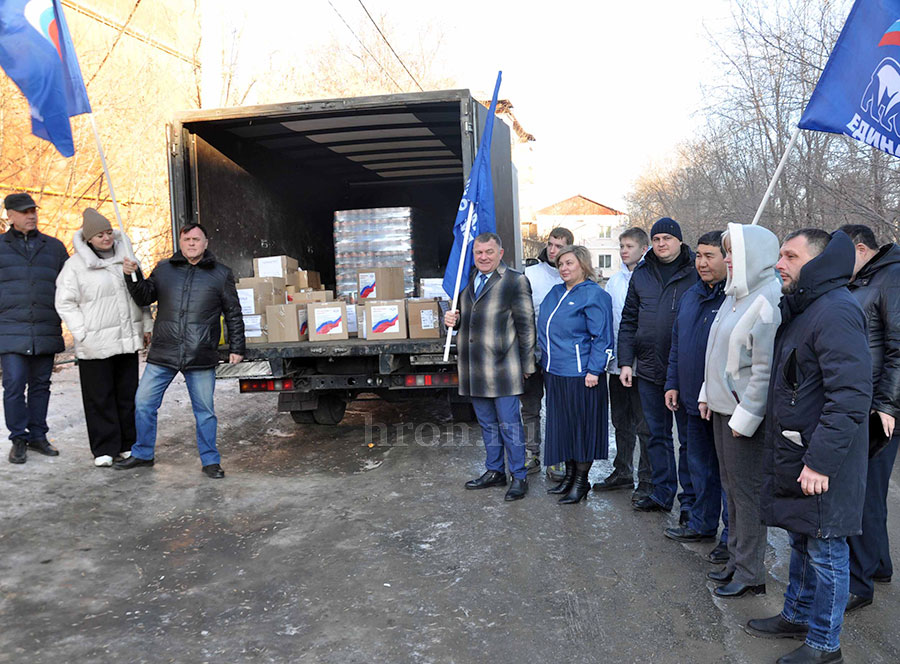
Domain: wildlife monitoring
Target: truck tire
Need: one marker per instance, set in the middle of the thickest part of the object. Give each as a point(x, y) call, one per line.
point(462, 412)
point(302, 416)
point(330, 410)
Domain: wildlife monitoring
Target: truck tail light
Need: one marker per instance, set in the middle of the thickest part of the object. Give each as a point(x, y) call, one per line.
point(431, 380)
point(266, 385)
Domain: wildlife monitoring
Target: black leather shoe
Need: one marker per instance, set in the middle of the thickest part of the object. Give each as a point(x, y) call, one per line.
point(882, 579)
point(517, 490)
point(649, 505)
point(18, 452)
point(856, 602)
point(566, 484)
point(734, 589)
point(214, 471)
point(580, 488)
point(612, 483)
point(684, 518)
point(489, 479)
point(808, 655)
point(685, 534)
point(775, 627)
point(723, 576)
point(43, 446)
point(132, 462)
point(719, 555)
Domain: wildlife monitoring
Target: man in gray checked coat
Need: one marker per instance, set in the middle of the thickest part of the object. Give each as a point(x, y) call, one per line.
point(495, 351)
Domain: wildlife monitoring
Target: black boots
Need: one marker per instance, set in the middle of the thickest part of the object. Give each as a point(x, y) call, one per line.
point(18, 450)
point(566, 484)
point(580, 485)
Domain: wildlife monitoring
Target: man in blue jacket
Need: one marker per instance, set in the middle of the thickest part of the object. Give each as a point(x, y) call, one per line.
point(30, 329)
point(816, 439)
point(645, 336)
point(696, 313)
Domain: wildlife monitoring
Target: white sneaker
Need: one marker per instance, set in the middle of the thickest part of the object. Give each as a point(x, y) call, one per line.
point(104, 461)
point(123, 456)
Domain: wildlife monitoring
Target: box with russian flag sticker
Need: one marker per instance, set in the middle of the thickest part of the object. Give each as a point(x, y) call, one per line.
point(385, 319)
point(380, 283)
point(287, 322)
point(327, 321)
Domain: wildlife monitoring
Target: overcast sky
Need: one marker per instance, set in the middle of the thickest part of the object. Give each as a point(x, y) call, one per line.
point(605, 87)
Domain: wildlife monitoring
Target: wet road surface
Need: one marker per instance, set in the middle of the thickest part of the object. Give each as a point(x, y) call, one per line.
point(319, 548)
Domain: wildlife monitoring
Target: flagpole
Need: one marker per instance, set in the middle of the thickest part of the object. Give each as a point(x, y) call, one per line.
point(777, 175)
point(109, 184)
point(459, 271)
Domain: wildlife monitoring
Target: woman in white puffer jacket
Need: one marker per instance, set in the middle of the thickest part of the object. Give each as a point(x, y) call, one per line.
point(109, 329)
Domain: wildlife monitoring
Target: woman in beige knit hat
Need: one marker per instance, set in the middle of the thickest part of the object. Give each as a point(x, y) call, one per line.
point(109, 329)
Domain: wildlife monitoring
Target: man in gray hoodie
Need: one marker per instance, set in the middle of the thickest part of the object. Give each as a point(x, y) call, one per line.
point(734, 397)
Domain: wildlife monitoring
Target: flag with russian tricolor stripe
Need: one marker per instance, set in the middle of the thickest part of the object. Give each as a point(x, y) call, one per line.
point(37, 53)
point(858, 93)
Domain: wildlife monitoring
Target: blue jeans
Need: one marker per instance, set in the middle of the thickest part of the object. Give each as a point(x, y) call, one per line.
point(26, 417)
point(704, 467)
point(201, 384)
point(818, 589)
point(501, 427)
point(661, 448)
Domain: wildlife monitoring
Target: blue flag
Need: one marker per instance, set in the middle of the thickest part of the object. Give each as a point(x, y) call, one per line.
point(479, 196)
point(37, 53)
point(858, 93)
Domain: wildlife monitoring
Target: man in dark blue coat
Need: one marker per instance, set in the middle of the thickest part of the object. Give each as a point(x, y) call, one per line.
point(816, 439)
point(645, 336)
point(30, 329)
point(876, 286)
point(687, 356)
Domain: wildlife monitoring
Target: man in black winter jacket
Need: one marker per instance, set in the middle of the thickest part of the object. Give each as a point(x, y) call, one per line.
point(645, 336)
point(30, 329)
point(876, 286)
point(192, 290)
point(814, 468)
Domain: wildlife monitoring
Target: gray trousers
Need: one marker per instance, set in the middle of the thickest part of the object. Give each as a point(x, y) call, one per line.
point(740, 467)
point(628, 420)
point(531, 400)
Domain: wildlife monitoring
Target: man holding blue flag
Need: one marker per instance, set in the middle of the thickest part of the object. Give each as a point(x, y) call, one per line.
point(495, 350)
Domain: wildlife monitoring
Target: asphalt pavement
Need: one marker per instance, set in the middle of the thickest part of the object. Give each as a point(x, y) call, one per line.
point(355, 543)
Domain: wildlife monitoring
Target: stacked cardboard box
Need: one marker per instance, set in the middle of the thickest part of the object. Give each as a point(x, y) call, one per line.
point(425, 318)
point(381, 283)
point(287, 322)
point(327, 321)
point(255, 294)
point(385, 319)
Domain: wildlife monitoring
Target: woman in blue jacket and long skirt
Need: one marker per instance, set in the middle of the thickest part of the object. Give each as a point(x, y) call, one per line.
point(576, 338)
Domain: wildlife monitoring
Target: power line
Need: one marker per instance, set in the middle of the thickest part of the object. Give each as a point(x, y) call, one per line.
point(389, 46)
point(371, 55)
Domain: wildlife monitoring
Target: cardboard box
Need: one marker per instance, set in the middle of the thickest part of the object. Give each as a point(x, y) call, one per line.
point(255, 331)
point(432, 288)
point(297, 297)
point(274, 266)
point(352, 321)
point(380, 283)
point(257, 293)
point(287, 322)
point(327, 321)
point(385, 319)
point(360, 320)
point(425, 319)
point(308, 279)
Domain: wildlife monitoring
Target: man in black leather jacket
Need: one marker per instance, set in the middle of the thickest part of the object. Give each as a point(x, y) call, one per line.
point(192, 290)
point(876, 286)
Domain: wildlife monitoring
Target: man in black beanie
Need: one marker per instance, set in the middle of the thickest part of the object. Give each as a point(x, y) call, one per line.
point(645, 335)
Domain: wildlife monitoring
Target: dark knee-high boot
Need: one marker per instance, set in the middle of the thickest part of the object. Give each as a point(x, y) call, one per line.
point(566, 484)
point(580, 486)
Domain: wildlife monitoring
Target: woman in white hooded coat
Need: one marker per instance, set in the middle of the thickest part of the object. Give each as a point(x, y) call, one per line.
point(734, 392)
point(109, 329)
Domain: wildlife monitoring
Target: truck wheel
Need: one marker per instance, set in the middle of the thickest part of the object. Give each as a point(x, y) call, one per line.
point(462, 412)
point(330, 410)
point(302, 416)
